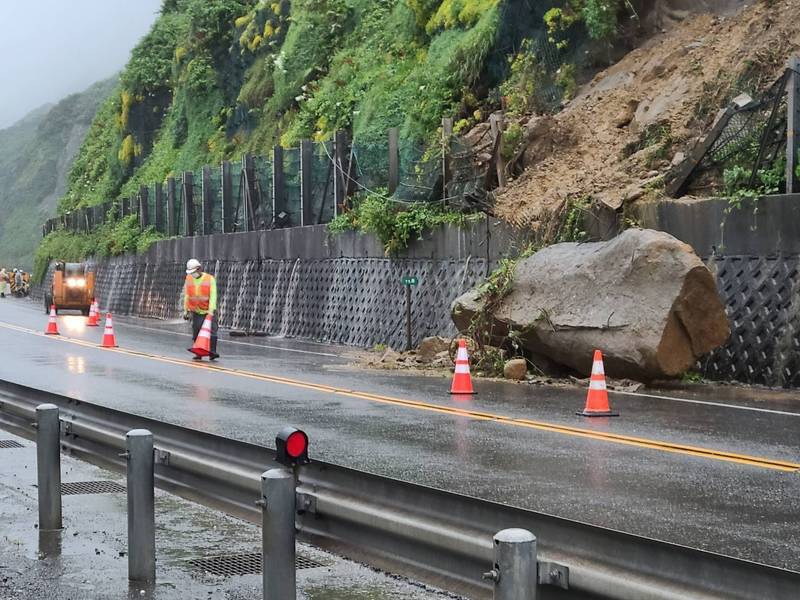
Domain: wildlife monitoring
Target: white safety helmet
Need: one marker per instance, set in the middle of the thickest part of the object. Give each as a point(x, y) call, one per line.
point(192, 266)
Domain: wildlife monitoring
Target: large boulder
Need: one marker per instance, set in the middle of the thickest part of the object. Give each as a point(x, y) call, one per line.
point(644, 298)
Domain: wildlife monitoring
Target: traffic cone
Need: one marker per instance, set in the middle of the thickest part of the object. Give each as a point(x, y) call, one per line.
point(202, 345)
point(597, 399)
point(462, 382)
point(52, 325)
point(93, 316)
point(109, 339)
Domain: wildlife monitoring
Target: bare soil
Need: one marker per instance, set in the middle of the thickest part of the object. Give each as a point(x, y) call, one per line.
point(622, 132)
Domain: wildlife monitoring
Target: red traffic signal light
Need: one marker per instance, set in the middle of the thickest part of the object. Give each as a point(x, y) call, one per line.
point(291, 447)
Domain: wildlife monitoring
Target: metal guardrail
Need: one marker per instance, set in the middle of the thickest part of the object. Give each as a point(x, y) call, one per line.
point(436, 536)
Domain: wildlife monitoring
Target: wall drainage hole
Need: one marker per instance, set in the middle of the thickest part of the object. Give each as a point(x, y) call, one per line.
point(240, 564)
point(91, 487)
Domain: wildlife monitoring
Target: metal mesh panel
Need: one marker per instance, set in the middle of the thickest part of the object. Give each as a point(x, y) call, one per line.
point(215, 195)
point(370, 164)
point(231, 565)
point(749, 129)
point(762, 304)
point(263, 184)
point(323, 198)
point(178, 211)
point(197, 199)
point(420, 173)
point(8, 444)
point(291, 169)
point(91, 487)
point(237, 212)
point(355, 301)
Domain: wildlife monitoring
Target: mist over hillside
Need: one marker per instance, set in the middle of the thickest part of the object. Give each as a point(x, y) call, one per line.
point(36, 154)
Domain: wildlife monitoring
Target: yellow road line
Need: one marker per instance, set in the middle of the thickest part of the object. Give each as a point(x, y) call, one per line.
point(708, 453)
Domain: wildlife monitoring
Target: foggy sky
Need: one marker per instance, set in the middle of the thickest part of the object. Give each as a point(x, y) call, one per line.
point(52, 48)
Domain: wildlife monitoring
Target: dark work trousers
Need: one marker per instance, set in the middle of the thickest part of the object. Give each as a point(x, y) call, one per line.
point(197, 324)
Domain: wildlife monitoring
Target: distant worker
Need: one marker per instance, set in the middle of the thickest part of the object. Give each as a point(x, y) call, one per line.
point(199, 300)
point(5, 287)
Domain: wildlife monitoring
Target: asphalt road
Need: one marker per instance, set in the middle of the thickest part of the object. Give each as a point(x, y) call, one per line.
point(697, 469)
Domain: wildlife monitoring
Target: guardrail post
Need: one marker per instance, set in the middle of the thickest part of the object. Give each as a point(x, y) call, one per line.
point(141, 510)
point(48, 466)
point(278, 534)
point(514, 572)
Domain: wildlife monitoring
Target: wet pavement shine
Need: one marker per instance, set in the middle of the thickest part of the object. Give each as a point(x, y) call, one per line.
point(407, 426)
point(87, 558)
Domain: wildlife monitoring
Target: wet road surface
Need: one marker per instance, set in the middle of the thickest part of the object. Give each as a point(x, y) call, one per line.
point(526, 447)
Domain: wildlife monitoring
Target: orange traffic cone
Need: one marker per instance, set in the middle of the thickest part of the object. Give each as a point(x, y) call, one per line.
point(93, 316)
point(109, 339)
point(462, 382)
point(52, 325)
point(202, 345)
point(597, 399)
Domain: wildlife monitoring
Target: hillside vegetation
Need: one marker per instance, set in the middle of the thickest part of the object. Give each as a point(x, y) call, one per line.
point(35, 156)
point(214, 79)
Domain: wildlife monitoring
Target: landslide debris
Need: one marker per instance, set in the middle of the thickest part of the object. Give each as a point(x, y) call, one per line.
point(625, 129)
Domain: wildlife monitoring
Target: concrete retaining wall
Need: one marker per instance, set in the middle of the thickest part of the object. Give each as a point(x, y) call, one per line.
point(304, 282)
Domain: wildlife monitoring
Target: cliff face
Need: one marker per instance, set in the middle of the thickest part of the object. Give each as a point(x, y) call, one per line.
point(35, 156)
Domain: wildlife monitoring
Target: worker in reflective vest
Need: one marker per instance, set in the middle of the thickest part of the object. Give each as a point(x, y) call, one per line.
point(199, 300)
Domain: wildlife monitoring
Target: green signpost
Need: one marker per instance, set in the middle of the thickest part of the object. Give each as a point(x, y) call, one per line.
point(408, 281)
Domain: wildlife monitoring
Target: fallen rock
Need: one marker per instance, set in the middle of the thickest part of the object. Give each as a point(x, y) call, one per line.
point(644, 298)
point(516, 369)
point(390, 357)
point(429, 347)
point(442, 359)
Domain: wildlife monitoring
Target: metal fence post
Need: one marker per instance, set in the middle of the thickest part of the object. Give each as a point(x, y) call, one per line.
point(187, 192)
point(514, 573)
point(394, 160)
point(306, 181)
point(278, 185)
point(172, 225)
point(249, 192)
point(144, 207)
point(141, 510)
point(227, 198)
point(447, 139)
point(792, 125)
point(159, 206)
point(48, 466)
point(208, 224)
point(278, 534)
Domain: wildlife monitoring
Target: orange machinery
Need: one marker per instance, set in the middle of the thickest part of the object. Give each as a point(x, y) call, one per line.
point(73, 288)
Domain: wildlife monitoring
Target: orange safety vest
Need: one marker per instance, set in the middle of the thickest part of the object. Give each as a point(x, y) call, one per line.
point(198, 294)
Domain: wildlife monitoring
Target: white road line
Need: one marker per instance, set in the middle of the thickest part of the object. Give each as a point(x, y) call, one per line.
point(123, 324)
point(708, 403)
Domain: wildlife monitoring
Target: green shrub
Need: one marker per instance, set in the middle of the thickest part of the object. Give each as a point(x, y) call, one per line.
point(395, 224)
point(111, 239)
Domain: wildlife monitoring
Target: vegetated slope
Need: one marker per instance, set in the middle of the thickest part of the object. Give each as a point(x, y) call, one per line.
point(216, 78)
point(620, 135)
point(36, 154)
